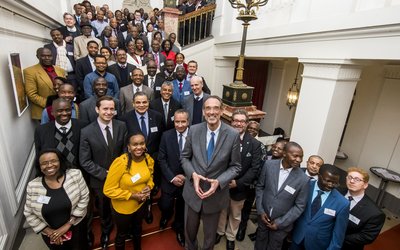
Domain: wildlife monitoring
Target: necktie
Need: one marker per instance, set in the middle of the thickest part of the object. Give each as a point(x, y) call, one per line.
point(110, 141)
point(210, 148)
point(180, 86)
point(137, 90)
point(166, 112)
point(63, 130)
point(143, 127)
point(316, 204)
point(180, 142)
point(197, 98)
point(152, 82)
point(156, 59)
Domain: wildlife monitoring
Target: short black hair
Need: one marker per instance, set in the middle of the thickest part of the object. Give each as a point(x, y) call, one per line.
point(332, 169)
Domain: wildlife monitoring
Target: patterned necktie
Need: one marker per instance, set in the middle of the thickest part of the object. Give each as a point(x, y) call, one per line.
point(137, 90)
point(316, 204)
point(63, 130)
point(110, 140)
point(210, 148)
point(152, 82)
point(180, 142)
point(143, 127)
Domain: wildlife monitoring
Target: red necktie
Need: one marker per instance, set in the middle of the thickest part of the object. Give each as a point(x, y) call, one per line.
point(180, 86)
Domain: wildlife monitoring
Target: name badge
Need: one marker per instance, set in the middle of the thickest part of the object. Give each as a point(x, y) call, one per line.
point(135, 178)
point(186, 93)
point(172, 118)
point(330, 212)
point(158, 88)
point(354, 219)
point(43, 199)
point(154, 129)
point(289, 189)
point(70, 53)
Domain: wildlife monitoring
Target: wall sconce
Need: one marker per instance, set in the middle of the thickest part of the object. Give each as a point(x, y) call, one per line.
point(293, 93)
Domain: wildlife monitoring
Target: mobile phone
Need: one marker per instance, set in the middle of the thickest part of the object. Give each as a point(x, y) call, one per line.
point(67, 236)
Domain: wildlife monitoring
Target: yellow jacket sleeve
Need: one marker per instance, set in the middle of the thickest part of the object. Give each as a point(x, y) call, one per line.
point(111, 186)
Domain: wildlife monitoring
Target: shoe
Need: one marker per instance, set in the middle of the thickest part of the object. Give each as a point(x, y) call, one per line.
point(230, 245)
point(163, 223)
point(180, 238)
point(104, 241)
point(149, 217)
point(241, 234)
point(217, 238)
point(253, 236)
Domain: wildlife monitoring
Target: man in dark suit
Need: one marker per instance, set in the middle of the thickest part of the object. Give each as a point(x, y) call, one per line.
point(366, 219)
point(121, 70)
point(182, 88)
point(167, 74)
point(85, 66)
point(150, 123)
point(70, 30)
point(239, 188)
point(63, 55)
point(62, 134)
point(166, 105)
point(281, 197)
point(210, 159)
point(195, 101)
point(324, 221)
point(100, 143)
point(158, 57)
point(152, 79)
point(192, 69)
point(173, 177)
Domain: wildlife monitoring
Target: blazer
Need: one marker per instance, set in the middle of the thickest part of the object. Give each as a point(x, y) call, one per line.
point(179, 96)
point(173, 106)
point(250, 156)
point(223, 166)
point(365, 222)
point(168, 156)
point(326, 229)
point(156, 128)
point(87, 110)
point(188, 105)
point(95, 157)
point(44, 137)
point(114, 69)
point(158, 81)
point(70, 53)
point(287, 203)
point(82, 68)
point(126, 97)
point(76, 189)
point(38, 86)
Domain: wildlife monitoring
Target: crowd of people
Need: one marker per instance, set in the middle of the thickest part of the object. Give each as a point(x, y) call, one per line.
point(123, 117)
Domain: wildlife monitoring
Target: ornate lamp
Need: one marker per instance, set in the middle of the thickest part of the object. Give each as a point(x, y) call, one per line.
point(238, 93)
point(293, 93)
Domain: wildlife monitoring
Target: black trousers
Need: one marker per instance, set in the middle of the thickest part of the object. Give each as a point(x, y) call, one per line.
point(248, 204)
point(168, 204)
point(104, 208)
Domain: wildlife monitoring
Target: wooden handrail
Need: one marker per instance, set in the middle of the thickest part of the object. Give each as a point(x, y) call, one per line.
point(205, 9)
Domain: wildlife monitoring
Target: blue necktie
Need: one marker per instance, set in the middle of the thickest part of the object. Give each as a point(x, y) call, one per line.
point(180, 142)
point(143, 127)
point(316, 204)
point(210, 148)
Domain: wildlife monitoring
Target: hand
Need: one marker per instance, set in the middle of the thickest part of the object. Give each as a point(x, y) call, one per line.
point(68, 39)
point(146, 190)
point(232, 184)
point(273, 226)
point(265, 219)
point(196, 184)
point(179, 180)
point(139, 197)
point(56, 235)
point(214, 185)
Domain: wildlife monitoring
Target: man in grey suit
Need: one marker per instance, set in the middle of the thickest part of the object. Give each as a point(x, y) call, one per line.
point(210, 159)
point(281, 197)
point(194, 102)
point(126, 93)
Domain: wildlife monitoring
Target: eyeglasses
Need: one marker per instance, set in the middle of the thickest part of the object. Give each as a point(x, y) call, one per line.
point(240, 121)
point(47, 163)
point(355, 179)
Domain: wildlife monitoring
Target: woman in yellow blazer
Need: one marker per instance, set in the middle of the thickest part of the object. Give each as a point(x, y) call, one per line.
point(128, 185)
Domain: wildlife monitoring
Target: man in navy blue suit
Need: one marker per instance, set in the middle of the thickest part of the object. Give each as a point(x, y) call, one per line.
point(173, 177)
point(324, 221)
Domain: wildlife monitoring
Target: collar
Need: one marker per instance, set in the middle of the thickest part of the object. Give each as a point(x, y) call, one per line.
point(125, 65)
point(164, 102)
point(97, 73)
point(73, 29)
point(215, 131)
point(316, 188)
point(68, 125)
point(356, 198)
point(184, 134)
point(48, 68)
point(315, 177)
point(201, 95)
point(282, 169)
point(103, 125)
point(145, 115)
point(57, 46)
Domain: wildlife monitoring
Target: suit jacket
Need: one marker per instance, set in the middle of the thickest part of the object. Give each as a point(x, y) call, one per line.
point(87, 110)
point(161, 62)
point(180, 95)
point(82, 68)
point(95, 157)
point(70, 53)
point(173, 106)
point(154, 132)
point(188, 105)
point(44, 137)
point(223, 166)
point(126, 97)
point(38, 86)
point(326, 229)
point(158, 81)
point(114, 69)
point(250, 160)
point(288, 202)
point(365, 222)
point(168, 156)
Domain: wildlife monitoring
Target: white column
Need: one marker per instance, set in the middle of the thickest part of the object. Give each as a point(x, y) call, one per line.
point(325, 97)
point(224, 71)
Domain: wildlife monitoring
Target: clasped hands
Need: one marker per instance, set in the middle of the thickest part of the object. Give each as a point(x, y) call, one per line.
point(142, 195)
point(214, 183)
point(268, 222)
point(56, 235)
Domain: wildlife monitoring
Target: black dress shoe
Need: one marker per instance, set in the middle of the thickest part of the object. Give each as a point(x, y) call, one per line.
point(230, 245)
point(253, 236)
point(180, 238)
point(163, 223)
point(241, 234)
point(217, 238)
point(104, 241)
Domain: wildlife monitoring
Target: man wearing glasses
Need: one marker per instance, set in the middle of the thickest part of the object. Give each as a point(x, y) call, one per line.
point(324, 221)
point(366, 219)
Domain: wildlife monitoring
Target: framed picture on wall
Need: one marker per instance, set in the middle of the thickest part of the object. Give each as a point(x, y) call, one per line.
point(21, 99)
